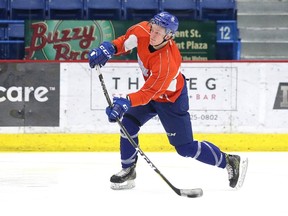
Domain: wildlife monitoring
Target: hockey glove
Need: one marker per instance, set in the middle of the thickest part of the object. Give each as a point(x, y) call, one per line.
point(120, 106)
point(99, 56)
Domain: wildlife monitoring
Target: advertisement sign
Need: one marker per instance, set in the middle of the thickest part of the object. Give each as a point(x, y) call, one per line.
point(212, 91)
point(209, 88)
point(281, 99)
point(73, 39)
point(64, 40)
point(235, 97)
point(197, 40)
point(223, 97)
point(29, 94)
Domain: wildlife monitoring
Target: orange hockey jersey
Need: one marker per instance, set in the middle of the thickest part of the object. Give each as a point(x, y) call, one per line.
point(161, 68)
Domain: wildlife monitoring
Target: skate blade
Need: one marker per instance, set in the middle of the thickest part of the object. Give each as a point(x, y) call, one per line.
point(123, 186)
point(243, 171)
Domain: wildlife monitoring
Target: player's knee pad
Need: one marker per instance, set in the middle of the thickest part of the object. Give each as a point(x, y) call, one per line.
point(131, 126)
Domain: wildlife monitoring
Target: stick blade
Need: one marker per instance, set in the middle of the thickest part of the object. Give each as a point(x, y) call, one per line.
point(191, 193)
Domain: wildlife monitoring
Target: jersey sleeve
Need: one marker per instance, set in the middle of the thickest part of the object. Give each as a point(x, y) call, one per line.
point(125, 43)
point(119, 44)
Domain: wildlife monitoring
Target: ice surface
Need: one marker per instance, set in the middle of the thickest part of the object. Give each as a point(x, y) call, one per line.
point(77, 184)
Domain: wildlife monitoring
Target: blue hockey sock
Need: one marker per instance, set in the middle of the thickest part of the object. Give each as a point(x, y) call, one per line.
point(128, 152)
point(204, 151)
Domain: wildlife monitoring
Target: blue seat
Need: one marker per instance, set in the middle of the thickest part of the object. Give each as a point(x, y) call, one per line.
point(15, 31)
point(13, 28)
point(12, 44)
point(106, 10)
point(4, 9)
point(31, 9)
point(228, 43)
point(140, 10)
point(4, 50)
point(228, 50)
point(3, 29)
point(218, 10)
point(227, 30)
point(12, 49)
point(65, 9)
point(182, 9)
point(3, 35)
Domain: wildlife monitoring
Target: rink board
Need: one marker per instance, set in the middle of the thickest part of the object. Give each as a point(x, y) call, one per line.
point(148, 142)
point(60, 106)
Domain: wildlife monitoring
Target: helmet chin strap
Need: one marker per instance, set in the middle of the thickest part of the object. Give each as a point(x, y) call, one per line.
point(164, 40)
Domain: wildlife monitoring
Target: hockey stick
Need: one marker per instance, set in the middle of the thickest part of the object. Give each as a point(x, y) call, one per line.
point(191, 193)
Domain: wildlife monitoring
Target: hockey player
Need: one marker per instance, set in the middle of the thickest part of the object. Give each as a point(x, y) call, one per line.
point(164, 93)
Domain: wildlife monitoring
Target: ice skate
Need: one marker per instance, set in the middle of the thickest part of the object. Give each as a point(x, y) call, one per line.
point(124, 179)
point(237, 168)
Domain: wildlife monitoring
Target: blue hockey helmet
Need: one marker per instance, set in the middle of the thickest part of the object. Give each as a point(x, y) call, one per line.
point(167, 21)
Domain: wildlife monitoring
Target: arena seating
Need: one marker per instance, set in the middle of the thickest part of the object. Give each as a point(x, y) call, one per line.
point(12, 32)
point(12, 39)
point(3, 35)
point(15, 31)
point(107, 9)
point(65, 9)
point(139, 9)
point(122, 9)
point(228, 44)
point(4, 9)
point(217, 10)
point(183, 9)
point(32, 9)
